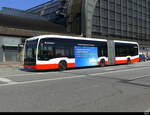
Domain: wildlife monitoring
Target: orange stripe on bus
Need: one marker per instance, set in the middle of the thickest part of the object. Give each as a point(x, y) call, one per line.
point(120, 61)
point(135, 60)
point(71, 65)
point(106, 62)
point(48, 66)
point(125, 61)
point(43, 66)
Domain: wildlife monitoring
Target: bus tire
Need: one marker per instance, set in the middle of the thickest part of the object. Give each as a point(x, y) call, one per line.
point(128, 61)
point(62, 65)
point(102, 63)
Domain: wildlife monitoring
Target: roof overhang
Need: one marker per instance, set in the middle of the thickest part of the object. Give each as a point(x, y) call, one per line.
point(30, 24)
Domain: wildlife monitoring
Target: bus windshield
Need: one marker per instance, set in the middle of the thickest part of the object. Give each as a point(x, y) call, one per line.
point(30, 52)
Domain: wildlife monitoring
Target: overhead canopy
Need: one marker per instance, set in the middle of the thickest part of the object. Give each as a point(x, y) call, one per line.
point(30, 24)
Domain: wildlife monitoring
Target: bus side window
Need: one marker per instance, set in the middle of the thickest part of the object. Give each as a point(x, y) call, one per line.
point(64, 52)
point(45, 52)
point(60, 52)
point(103, 50)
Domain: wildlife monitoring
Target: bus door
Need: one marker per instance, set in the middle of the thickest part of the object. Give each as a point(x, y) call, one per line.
point(86, 56)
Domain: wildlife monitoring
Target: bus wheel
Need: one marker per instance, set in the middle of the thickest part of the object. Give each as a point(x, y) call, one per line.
point(62, 66)
point(102, 63)
point(128, 61)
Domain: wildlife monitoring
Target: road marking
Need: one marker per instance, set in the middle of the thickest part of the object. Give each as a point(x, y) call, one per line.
point(43, 80)
point(109, 69)
point(135, 78)
point(119, 71)
point(106, 68)
point(5, 80)
point(26, 74)
point(10, 83)
point(62, 78)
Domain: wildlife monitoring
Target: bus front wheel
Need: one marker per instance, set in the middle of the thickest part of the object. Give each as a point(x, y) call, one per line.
point(62, 66)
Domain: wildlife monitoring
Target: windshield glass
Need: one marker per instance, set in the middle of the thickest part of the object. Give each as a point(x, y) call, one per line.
point(30, 51)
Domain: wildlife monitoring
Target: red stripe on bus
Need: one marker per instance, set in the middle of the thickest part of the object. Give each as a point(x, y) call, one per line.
point(71, 65)
point(52, 66)
point(120, 61)
point(125, 61)
point(42, 66)
point(135, 60)
point(106, 62)
point(48, 66)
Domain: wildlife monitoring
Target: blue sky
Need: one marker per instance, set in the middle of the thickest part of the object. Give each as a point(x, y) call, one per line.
point(21, 4)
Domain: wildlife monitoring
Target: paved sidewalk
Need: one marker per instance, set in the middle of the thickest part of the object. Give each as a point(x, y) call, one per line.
point(11, 64)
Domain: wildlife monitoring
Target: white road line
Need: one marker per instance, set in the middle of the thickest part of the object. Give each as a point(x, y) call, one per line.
point(119, 71)
point(109, 69)
point(10, 83)
point(25, 74)
point(71, 71)
point(43, 80)
point(135, 78)
point(5, 80)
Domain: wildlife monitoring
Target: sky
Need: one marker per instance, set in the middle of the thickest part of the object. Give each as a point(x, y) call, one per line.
point(21, 4)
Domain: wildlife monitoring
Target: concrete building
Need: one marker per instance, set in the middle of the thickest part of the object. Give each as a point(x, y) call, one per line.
point(118, 19)
point(15, 27)
point(54, 11)
point(105, 19)
point(109, 19)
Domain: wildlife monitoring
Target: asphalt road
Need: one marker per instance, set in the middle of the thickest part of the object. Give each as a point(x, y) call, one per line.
point(123, 88)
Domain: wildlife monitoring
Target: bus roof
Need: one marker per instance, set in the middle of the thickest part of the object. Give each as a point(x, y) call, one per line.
point(78, 38)
point(128, 42)
point(67, 37)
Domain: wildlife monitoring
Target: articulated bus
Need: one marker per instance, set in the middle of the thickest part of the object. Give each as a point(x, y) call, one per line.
point(62, 52)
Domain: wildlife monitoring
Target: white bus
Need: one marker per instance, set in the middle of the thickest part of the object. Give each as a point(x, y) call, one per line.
point(62, 52)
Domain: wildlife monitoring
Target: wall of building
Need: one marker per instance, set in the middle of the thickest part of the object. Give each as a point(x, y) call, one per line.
point(127, 20)
point(9, 48)
point(87, 12)
point(109, 19)
point(124, 18)
point(20, 13)
point(53, 10)
point(1, 50)
point(74, 16)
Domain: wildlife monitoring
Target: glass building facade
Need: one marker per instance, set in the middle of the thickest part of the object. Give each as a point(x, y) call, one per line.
point(53, 10)
point(122, 18)
point(110, 19)
point(114, 18)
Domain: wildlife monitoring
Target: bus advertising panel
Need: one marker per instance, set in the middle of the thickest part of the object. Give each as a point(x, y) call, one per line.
point(86, 56)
